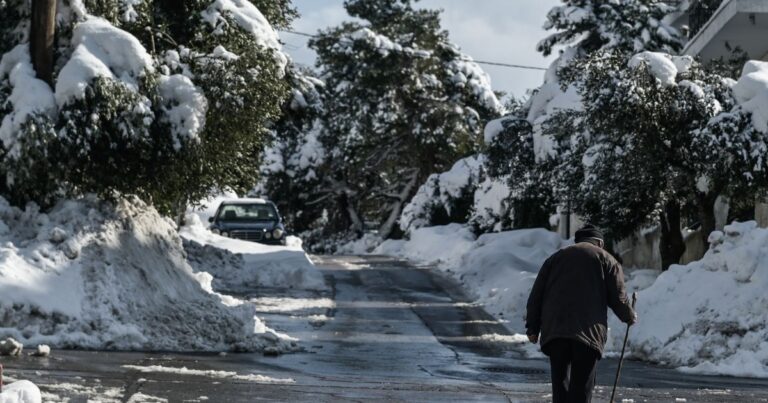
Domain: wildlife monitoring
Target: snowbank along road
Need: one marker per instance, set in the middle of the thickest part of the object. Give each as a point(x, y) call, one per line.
point(387, 331)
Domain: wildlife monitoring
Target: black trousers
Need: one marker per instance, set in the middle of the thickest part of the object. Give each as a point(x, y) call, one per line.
point(574, 366)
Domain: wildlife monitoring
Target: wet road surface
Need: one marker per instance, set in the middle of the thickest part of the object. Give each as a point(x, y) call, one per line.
point(387, 331)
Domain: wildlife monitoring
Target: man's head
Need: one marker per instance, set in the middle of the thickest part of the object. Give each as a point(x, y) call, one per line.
point(590, 233)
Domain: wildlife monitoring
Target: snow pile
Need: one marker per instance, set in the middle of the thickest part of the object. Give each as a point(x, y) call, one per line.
point(21, 392)
point(751, 91)
point(95, 275)
point(11, 347)
point(497, 268)
point(235, 263)
point(442, 244)
point(101, 50)
point(500, 270)
point(710, 316)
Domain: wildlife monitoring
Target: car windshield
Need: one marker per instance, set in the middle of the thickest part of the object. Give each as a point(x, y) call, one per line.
point(247, 212)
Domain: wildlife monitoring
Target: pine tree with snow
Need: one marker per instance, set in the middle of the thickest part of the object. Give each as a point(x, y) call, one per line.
point(401, 102)
point(169, 100)
point(628, 26)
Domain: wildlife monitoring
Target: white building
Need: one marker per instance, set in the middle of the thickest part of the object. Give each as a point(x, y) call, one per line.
point(718, 27)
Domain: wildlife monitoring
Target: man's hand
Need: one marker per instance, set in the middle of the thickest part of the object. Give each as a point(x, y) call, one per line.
point(533, 338)
point(634, 319)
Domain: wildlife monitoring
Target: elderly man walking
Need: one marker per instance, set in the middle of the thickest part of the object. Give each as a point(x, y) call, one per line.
point(569, 305)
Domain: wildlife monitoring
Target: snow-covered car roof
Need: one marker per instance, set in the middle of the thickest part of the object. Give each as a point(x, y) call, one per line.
point(245, 201)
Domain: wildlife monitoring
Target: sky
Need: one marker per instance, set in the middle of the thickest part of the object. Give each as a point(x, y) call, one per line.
point(493, 30)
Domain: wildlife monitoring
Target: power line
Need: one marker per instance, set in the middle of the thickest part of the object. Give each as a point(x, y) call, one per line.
point(500, 64)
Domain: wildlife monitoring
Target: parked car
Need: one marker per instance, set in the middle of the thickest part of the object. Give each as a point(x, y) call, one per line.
point(255, 220)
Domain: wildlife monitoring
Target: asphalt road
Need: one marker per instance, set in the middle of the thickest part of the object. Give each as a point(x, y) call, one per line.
point(387, 331)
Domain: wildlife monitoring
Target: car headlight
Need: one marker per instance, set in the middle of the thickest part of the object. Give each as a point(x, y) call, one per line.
point(268, 235)
point(225, 233)
point(277, 233)
point(215, 231)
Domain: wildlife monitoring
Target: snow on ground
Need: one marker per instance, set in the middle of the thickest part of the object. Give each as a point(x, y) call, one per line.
point(710, 316)
point(20, 392)
point(443, 244)
point(497, 268)
point(97, 275)
point(234, 263)
point(707, 317)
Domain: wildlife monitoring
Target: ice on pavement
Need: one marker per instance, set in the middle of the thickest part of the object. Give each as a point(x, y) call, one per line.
point(498, 269)
point(208, 373)
point(91, 274)
point(144, 398)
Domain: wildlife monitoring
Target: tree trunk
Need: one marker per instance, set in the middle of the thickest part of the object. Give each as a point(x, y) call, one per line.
point(672, 245)
point(706, 206)
point(397, 207)
point(41, 38)
point(354, 217)
point(181, 210)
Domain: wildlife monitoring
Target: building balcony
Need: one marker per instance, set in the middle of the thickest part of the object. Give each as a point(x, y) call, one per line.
point(718, 27)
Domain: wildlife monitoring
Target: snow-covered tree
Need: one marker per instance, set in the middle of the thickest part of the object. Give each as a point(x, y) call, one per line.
point(292, 170)
point(169, 100)
point(655, 147)
point(401, 102)
point(628, 26)
point(525, 147)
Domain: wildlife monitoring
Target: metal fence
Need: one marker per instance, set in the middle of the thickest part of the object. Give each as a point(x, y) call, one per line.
point(700, 12)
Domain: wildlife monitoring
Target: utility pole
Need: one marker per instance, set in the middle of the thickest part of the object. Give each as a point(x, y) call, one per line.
point(41, 38)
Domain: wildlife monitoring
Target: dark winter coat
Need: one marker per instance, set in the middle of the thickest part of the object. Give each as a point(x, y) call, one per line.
point(572, 293)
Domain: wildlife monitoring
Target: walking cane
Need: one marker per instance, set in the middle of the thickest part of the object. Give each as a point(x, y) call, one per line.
point(624, 347)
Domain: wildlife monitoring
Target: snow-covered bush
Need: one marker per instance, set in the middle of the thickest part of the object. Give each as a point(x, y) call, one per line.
point(445, 197)
point(463, 194)
point(654, 146)
point(167, 100)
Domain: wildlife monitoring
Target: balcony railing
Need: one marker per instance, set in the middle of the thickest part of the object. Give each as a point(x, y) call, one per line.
point(700, 12)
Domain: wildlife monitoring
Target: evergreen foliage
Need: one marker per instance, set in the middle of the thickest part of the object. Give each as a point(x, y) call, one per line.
point(627, 26)
point(657, 148)
point(401, 102)
point(193, 121)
